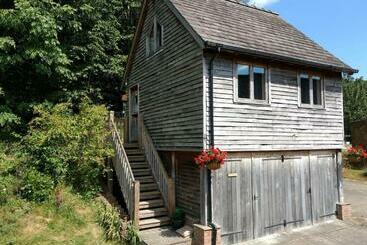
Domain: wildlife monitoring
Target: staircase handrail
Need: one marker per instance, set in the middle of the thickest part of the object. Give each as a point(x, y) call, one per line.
point(164, 182)
point(130, 188)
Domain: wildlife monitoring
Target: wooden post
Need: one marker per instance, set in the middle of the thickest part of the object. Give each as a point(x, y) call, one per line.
point(140, 129)
point(136, 202)
point(171, 197)
point(126, 129)
point(112, 117)
point(339, 162)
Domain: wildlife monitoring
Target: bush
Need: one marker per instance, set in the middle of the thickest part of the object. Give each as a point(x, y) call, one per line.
point(130, 234)
point(109, 219)
point(36, 186)
point(69, 144)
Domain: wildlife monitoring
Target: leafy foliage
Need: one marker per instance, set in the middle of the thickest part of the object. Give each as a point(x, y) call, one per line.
point(355, 101)
point(69, 144)
point(109, 219)
point(36, 186)
point(60, 50)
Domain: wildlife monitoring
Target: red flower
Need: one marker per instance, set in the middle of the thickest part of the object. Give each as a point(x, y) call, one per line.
point(212, 155)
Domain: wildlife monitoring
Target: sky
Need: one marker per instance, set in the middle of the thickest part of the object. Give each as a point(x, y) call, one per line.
point(339, 26)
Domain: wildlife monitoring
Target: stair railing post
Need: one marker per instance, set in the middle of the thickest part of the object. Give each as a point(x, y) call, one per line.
point(171, 197)
point(136, 202)
point(112, 118)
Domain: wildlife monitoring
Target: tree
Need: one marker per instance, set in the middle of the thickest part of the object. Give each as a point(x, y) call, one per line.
point(355, 101)
point(60, 50)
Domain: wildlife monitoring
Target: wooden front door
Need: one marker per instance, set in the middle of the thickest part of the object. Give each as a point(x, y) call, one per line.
point(134, 114)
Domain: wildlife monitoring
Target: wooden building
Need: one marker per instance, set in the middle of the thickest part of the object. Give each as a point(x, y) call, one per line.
point(220, 73)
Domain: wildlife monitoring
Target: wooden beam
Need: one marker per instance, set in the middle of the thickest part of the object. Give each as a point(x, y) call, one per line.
point(136, 203)
point(171, 197)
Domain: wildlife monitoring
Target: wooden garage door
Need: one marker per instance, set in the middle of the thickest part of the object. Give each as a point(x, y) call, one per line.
point(324, 185)
point(232, 199)
point(255, 195)
point(281, 188)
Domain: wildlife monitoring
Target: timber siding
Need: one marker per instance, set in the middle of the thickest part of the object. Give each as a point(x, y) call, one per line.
point(170, 83)
point(279, 125)
point(188, 185)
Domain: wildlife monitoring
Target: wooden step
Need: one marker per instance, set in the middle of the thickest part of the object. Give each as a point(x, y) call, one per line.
point(139, 165)
point(134, 152)
point(149, 195)
point(152, 213)
point(145, 179)
point(151, 204)
point(154, 222)
point(133, 159)
point(148, 187)
point(131, 146)
point(142, 172)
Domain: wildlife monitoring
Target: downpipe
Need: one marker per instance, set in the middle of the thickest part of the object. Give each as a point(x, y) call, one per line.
point(211, 142)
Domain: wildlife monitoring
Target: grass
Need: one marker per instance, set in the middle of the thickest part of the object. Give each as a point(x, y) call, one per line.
point(22, 222)
point(355, 174)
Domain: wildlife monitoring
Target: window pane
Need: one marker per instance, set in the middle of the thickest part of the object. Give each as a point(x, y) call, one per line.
point(243, 72)
point(151, 41)
point(317, 93)
point(259, 83)
point(305, 90)
point(159, 36)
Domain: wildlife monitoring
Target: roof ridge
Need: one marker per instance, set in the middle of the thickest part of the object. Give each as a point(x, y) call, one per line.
point(252, 6)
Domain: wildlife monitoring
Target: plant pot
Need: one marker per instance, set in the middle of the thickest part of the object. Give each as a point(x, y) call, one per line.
point(213, 165)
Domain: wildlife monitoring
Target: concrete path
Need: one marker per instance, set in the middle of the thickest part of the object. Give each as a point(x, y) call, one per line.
point(351, 232)
point(163, 236)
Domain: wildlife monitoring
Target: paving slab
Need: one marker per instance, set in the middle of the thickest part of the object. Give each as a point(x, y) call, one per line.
point(163, 236)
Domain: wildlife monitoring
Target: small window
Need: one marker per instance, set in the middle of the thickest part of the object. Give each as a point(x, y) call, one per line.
point(251, 83)
point(159, 37)
point(311, 90)
point(317, 91)
point(150, 42)
point(259, 83)
point(243, 81)
point(305, 89)
point(154, 40)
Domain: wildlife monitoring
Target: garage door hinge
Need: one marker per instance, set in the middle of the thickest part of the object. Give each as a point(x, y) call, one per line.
point(282, 158)
point(309, 190)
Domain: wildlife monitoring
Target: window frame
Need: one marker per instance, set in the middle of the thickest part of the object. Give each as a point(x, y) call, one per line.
point(311, 77)
point(156, 49)
point(252, 99)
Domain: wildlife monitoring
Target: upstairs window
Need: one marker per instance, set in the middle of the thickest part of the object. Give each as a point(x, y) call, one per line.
point(311, 91)
point(154, 40)
point(250, 83)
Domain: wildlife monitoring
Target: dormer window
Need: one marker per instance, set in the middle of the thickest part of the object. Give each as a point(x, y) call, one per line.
point(154, 41)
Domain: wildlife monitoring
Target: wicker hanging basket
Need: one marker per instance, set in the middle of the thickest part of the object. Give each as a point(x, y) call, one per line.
point(213, 165)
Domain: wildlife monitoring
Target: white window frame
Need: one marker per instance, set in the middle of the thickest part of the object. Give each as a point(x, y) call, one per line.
point(311, 76)
point(252, 99)
point(156, 49)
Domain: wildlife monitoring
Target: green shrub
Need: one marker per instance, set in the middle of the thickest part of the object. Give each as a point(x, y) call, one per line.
point(36, 186)
point(69, 144)
point(109, 219)
point(130, 234)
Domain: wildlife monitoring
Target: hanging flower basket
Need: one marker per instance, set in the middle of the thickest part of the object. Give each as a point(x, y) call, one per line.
point(213, 165)
point(212, 158)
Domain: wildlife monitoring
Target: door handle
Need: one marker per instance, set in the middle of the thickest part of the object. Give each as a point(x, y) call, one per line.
point(255, 197)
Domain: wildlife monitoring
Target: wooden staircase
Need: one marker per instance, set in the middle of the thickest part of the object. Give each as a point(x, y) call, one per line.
point(152, 211)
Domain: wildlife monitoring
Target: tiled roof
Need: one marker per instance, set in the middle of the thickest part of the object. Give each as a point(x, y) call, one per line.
point(256, 31)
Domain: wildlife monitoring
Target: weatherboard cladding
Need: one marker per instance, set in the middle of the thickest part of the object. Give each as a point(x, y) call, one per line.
point(170, 83)
point(279, 125)
point(243, 27)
